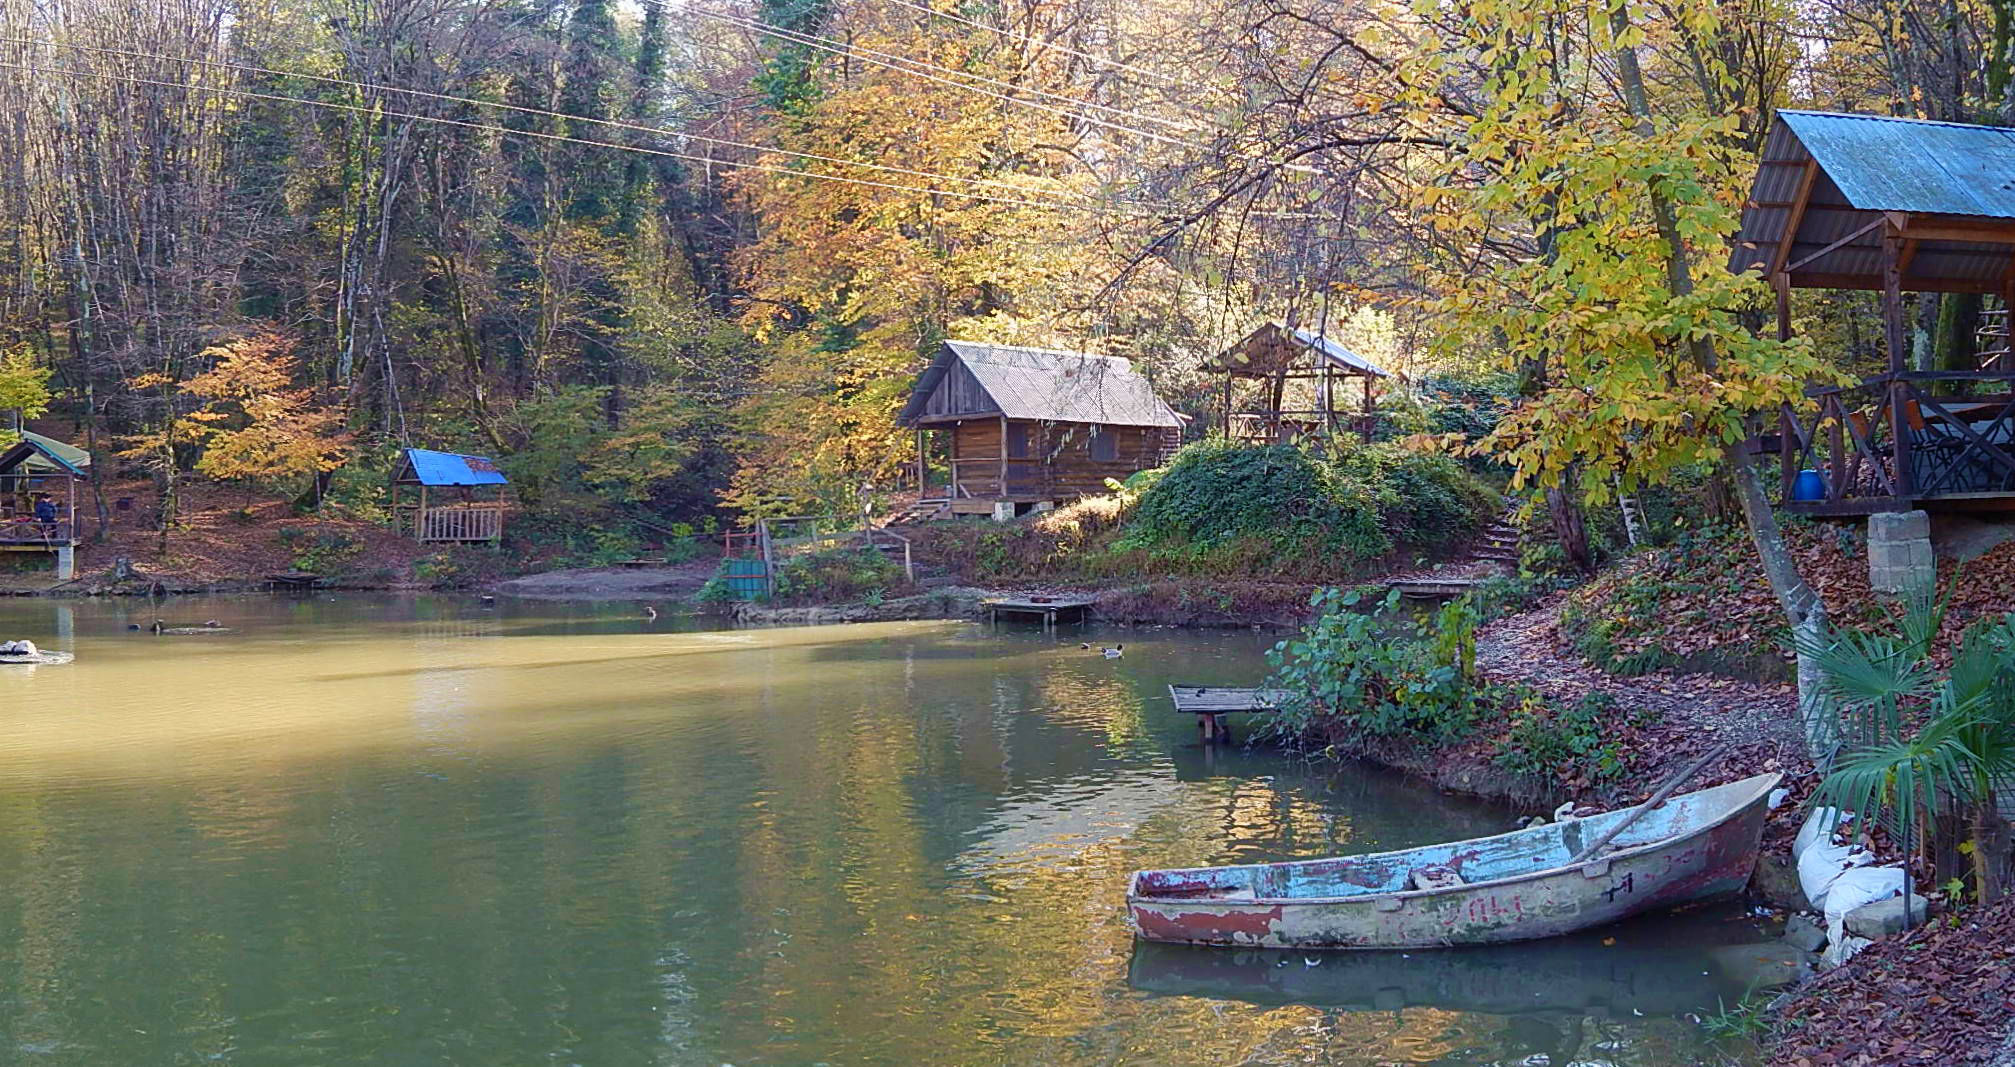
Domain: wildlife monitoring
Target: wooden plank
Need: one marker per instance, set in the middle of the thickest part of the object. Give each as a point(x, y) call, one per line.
point(1226, 700)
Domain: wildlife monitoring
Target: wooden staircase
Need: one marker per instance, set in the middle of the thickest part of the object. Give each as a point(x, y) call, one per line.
point(1500, 543)
point(920, 511)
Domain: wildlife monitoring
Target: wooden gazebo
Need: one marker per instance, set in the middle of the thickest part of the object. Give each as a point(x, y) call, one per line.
point(1299, 374)
point(466, 501)
point(37, 468)
point(1893, 206)
point(1029, 427)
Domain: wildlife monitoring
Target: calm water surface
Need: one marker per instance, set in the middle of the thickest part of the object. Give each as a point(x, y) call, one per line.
point(414, 831)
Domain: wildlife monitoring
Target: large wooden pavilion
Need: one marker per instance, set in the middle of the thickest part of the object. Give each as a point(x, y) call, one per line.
point(1290, 365)
point(460, 497)
point(1023, 428)
point(1893, 206)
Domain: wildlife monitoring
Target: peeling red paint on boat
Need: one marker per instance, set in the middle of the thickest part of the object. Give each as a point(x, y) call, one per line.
point(1250, 925)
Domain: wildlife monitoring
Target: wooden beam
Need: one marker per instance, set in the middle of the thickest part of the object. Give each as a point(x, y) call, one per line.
point(1974, 232)
point(1798, 201)
point(1811, 280)
point(1892, 300)
point(1784, 247)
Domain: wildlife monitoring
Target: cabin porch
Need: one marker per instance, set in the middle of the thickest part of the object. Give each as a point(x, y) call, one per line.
point(1004, 468)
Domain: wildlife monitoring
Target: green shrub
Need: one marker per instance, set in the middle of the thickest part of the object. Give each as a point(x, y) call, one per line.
point(1566, 743)
point(322, 551)
point(1281, 505)
point(837, 574)
point(1378, 673)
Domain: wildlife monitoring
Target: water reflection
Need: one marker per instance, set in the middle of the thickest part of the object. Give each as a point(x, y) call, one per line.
point(422, 831)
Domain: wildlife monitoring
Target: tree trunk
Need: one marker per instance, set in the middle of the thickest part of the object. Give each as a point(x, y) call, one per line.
point(1991, 861)
point(1802, 607)
point(1570, 529)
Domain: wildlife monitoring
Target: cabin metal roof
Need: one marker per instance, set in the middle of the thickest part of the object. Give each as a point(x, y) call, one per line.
point(1046, 384)
point(423, 467)
point(45, 455)
point(1835, 177)
point(1287, 343)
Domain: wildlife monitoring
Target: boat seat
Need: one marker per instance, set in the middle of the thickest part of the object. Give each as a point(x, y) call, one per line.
point(1436, 877)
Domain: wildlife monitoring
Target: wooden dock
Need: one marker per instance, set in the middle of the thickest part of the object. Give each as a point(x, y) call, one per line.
point(1433, 588)
point(1210, 703)
point(1051, 610)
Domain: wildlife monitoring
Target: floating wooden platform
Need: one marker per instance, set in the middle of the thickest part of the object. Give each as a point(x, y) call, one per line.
point(1210, 703)
point(1051, 610)
point(294, 580)
point(1433, 588)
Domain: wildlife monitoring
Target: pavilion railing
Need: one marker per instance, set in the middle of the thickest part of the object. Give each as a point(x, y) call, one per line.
point(33, 532)
point(467, 522)
point(1898, 438)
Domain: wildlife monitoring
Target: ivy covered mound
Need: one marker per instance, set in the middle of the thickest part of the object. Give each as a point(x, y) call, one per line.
point(1703, 600)
point(1223, 510)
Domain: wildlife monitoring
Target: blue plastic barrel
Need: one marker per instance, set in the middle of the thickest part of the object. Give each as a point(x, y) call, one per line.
point(1808, 486)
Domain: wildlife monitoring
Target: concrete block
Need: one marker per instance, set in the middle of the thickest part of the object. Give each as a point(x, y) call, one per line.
point(1883, 918)
point(1899, 526)
point(1003, 511)
point(66, 563)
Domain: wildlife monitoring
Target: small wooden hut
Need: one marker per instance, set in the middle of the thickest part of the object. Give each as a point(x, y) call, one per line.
point(460, 498)
point(1894, 206)
point(1292, 379)
point(1025, 428)
point(32, 469)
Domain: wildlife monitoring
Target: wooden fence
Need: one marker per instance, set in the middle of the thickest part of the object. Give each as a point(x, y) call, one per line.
point(461, 523)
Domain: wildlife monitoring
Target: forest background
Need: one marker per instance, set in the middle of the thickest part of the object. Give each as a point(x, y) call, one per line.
point(680, 262)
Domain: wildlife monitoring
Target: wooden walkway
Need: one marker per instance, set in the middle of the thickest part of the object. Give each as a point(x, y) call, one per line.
point(1050, 609)
point(1211, 703)
point(1433, 588)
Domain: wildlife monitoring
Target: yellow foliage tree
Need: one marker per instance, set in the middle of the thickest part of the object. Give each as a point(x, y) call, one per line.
point(254, 424)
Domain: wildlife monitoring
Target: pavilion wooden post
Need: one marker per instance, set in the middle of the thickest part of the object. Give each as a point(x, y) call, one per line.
point(1227, 403)
point(1892, 325)
point(923, 468)
point(1368, 409)
point(1004, 450)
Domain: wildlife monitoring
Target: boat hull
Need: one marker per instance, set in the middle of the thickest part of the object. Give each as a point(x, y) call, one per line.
point(1697, 864)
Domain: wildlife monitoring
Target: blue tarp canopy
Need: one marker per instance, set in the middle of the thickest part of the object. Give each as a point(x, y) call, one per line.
point(422, 467)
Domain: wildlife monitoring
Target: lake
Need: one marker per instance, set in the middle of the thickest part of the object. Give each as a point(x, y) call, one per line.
point(415, 830)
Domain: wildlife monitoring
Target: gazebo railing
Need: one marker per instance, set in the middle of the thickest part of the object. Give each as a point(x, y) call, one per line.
point(1898, 438)
point(464, 522)
point(34, 532)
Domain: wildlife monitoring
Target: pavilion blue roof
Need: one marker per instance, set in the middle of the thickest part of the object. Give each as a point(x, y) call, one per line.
point(452, 468)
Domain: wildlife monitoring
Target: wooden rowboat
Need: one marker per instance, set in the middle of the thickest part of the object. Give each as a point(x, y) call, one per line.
point(1512, 887)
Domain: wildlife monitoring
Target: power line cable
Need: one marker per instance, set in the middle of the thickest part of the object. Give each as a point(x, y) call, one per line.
point(1053, 205)
point(1048, 46)
point(614, 123)
point(842, 48)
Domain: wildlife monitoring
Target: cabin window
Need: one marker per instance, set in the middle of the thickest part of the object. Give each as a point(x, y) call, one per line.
point(1017, 440)
point(1104, 445)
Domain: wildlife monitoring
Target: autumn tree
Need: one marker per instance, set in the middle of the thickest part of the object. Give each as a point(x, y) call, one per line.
point(253, 423)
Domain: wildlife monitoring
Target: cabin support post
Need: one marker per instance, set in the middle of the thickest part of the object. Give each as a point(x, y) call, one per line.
point(1004, 452)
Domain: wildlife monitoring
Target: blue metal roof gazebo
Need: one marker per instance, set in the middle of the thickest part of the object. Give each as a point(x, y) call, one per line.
point(471, 516)
point(1891, 205)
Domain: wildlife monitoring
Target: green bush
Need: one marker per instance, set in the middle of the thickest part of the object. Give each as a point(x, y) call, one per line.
point(1568, 743)
point(320, 552)
point(1380, 673)
point(838, 574)
point(1222, 498)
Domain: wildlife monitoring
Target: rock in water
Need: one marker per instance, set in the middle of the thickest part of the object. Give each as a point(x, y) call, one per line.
point(1776, 882)
point(1804, 934)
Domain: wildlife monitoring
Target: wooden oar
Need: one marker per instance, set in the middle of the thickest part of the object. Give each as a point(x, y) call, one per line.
point(1656, 799)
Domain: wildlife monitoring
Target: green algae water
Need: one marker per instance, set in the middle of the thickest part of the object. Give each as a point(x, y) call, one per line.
point(419, 831)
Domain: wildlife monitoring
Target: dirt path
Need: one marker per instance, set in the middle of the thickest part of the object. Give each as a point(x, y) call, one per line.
point(612, 583)
point(1682, 715)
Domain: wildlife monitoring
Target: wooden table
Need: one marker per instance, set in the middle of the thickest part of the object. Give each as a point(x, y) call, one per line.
point(1210, 703)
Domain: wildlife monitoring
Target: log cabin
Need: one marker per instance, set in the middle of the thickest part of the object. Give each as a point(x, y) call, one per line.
point(1025, 429)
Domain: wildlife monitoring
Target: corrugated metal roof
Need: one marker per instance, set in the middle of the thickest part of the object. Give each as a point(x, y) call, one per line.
point(1271, 343)
point(1865, 165)
point(451, 468)
point(37, 454)
point(1048, 384)
point(1890, 164)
